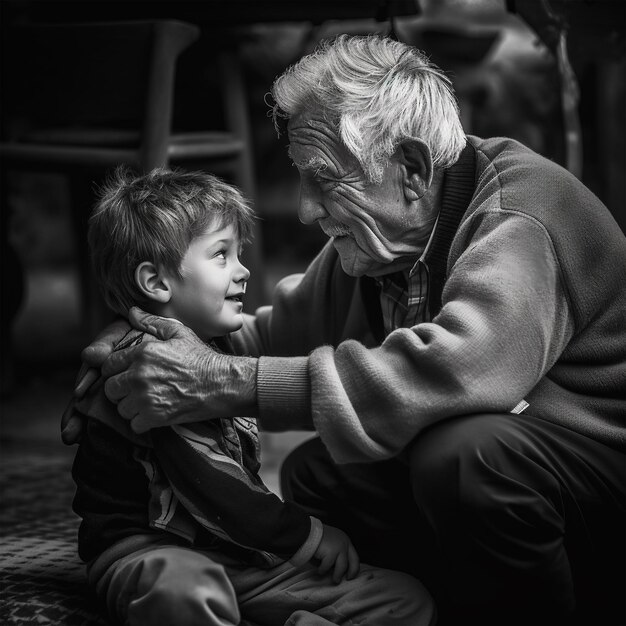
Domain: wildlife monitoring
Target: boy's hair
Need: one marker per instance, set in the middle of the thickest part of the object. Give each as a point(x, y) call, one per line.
point(154, 218)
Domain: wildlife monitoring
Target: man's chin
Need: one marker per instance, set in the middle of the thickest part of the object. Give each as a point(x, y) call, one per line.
point(355, 262)
point(353, 266)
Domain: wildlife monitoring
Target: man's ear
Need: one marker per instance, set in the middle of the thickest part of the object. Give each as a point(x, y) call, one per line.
point(417, 160)
point(152, 283)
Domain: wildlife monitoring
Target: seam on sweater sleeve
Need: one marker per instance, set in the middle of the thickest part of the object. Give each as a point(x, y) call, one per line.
point(544, 230)
point(566, 288)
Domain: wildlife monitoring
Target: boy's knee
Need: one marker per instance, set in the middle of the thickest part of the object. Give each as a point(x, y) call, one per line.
point(412, 600)
point(399, 599)
point(179, 586)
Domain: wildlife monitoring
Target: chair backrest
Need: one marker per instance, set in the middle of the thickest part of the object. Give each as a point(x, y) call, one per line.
point(107, 76)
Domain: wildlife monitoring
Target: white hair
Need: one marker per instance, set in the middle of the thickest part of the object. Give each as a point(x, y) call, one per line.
point(376, 92)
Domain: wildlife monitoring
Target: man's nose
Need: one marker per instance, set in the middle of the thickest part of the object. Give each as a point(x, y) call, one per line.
point(311, 208)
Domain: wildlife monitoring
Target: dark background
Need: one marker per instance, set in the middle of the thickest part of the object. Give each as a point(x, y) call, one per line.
point(500, 56)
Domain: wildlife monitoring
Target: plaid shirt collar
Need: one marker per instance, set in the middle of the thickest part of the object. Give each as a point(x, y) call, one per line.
point(404, 294)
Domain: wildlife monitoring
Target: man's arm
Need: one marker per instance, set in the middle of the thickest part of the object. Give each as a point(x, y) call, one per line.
point(505, 321)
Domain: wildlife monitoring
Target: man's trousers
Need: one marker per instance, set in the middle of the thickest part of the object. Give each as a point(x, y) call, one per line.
point(507, 519)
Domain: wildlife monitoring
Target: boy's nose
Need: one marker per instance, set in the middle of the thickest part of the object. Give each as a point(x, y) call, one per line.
point(242, 274)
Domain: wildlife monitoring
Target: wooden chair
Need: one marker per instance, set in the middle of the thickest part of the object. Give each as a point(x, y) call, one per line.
point(80, 99)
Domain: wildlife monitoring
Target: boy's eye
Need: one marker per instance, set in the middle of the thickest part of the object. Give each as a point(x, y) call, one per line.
point(220, 253)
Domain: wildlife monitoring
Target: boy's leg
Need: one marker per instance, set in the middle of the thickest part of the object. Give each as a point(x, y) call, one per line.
point(169, 585)
point(301, 597)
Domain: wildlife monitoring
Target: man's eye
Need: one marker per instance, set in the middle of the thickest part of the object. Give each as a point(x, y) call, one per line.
point(327, 182)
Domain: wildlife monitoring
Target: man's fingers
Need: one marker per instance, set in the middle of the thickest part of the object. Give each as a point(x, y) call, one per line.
point(354, 563)
point(161, 327)
point(120, 361)
point(140, 425)
point(99, 349)
point(71, 425)
point(73, 431)
point(90, 376)
point(127, 408)
point(118, 387)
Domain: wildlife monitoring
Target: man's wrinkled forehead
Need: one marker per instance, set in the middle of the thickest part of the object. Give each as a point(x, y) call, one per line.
point(314, 143)
point(304, 134)
point(305, 121)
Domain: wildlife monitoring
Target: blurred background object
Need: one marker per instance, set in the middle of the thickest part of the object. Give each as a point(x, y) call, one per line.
point(549, 73)
point(503, 59)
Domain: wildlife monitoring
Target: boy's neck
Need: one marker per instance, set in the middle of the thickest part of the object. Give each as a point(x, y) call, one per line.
point(165, 310)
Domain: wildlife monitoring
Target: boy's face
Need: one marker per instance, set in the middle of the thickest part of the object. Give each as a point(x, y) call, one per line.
point(209, 297)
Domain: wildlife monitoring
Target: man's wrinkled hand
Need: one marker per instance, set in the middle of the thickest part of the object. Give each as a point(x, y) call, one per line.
point(176, 380)
point(337, 553)
point(93, 356)
point(97, 352)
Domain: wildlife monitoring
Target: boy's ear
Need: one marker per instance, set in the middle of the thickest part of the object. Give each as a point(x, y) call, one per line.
point(418, 163)
point(151, 282)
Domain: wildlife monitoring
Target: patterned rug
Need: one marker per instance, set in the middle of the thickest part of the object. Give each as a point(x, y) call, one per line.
point(41, 577)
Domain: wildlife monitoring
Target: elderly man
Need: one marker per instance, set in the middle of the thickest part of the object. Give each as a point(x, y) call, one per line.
point(459, 345)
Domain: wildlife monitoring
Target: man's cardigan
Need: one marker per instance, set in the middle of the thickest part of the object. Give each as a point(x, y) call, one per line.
point(533, 306)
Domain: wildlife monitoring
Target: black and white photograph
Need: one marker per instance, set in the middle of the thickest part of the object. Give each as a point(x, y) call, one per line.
point(313, 313)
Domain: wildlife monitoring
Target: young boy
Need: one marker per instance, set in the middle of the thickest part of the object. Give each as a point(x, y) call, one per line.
point(177, 527)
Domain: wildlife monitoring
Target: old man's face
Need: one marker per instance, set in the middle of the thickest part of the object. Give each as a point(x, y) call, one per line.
point(374, 226)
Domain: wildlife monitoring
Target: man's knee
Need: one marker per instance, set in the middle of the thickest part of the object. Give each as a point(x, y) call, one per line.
point(302, 470)
point(176, 586)
point(456, 458)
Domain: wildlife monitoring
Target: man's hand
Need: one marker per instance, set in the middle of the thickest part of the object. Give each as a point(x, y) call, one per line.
point(178, 379)
point(336, 552)
point(93, 356)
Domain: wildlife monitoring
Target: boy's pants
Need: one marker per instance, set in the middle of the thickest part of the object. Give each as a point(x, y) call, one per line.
point(172, 585)
point(508, 519)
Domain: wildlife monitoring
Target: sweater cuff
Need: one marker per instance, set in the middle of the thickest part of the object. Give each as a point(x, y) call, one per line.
point(284, 393)
point(309, 547)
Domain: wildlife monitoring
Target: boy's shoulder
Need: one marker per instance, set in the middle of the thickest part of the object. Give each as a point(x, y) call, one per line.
point(128, 336)
point(96, 407)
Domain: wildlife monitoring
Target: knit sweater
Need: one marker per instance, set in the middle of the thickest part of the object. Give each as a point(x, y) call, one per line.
point(533, 307)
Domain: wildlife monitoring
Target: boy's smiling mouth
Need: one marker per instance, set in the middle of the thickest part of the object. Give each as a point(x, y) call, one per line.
point(238, 297)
